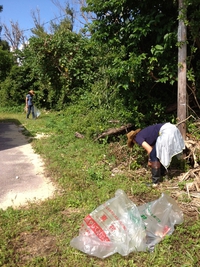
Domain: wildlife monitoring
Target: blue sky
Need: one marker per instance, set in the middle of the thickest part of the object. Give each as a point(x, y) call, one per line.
point(20, 11)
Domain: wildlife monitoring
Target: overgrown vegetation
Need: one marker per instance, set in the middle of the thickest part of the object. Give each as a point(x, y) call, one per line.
point(128, 65)
point(87, 173)
point(125, 72)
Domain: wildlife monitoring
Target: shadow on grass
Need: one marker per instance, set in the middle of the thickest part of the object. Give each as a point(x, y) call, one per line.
point(12, 134)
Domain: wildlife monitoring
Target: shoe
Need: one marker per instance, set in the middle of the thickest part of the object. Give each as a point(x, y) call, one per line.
point(154, 185)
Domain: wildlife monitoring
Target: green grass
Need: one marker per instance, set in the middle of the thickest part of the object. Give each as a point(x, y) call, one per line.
point(40, 234)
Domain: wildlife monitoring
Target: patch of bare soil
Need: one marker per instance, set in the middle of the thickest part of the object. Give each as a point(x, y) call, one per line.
point(35, 244)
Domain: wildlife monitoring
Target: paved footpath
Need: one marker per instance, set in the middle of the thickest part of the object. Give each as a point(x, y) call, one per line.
point(22, 177)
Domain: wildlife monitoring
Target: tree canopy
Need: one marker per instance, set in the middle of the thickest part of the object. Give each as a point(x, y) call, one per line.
point(128, 65)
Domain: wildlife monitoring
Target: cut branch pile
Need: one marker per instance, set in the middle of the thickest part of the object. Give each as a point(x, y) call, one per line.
point(193, 154)
point(115, 131)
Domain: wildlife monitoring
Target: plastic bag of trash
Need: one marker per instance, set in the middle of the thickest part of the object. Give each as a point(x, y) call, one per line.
point(119, 226)
point(159, 217)
point(115, 226)
point(36, 112)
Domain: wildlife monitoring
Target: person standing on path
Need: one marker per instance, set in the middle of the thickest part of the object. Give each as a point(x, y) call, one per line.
point(29, 104)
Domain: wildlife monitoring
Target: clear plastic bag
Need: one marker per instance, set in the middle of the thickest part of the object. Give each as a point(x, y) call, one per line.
point(36, 112)
point(119, 226)
point(159, 218)
point(115, 226)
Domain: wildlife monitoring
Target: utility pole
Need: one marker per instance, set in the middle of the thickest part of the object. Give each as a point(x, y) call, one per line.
point(1, 9)
point(182, 70)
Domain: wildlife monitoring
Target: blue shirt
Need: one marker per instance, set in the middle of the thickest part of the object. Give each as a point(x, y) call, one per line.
point(30, 99)
point(149, 134)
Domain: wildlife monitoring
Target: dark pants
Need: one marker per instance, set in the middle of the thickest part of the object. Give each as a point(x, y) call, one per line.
point(30, 110)
point(157, 169)
point(153, 154)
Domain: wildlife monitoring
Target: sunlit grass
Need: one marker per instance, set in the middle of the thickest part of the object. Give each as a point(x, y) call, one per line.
point(82, 171)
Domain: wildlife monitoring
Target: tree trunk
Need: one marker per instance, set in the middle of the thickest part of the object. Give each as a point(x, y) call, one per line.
point(182, 69)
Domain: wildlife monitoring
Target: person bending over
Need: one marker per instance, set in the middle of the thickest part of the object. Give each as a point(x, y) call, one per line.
point(162, 141)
